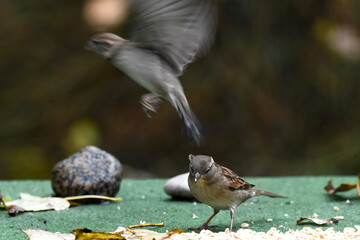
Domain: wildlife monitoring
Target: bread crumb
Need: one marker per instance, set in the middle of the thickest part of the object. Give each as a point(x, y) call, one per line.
point(269, 219)
point(273, 233)
point(244, 225)
point(336, 208)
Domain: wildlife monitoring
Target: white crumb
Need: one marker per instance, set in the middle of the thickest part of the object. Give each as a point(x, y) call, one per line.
point(269, 219)
point(245, 233)
point(244, 225)
point(336, 208)
point(194, 216)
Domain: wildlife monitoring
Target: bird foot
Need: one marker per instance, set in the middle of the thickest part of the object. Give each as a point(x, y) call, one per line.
point(204, 226)
point(150, 104)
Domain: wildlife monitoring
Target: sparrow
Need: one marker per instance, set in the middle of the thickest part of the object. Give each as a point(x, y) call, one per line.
point(219, 187)
point(165, 37)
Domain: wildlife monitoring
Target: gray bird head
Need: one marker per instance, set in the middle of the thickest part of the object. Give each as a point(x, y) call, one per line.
point(201, 166)
point(105, 44)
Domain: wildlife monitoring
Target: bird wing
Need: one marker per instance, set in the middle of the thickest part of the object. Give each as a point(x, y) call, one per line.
point(178, 30)
point(234, 181)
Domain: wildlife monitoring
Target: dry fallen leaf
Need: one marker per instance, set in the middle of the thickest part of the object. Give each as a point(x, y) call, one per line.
point(331, 190)
point(358, 185)
point(28, 202)
point(87, 234)
point(319, 221)
point(121, 233)
point(33, 203)
point(44, 235)
point(144, 234)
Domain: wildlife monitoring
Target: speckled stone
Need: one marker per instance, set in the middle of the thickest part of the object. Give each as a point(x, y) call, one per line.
point(177, 187)
point(89, 171)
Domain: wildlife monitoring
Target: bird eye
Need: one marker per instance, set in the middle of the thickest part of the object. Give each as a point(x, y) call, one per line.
point(208, 170)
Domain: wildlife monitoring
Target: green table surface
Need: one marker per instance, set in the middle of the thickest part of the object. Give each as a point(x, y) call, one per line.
point(145, 200)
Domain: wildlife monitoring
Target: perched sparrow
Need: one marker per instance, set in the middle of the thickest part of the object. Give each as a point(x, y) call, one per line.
point(166, 37)
point(219, 187)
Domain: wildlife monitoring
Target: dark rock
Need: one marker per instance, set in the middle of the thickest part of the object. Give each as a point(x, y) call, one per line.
point(89, 171)
point(177, 187)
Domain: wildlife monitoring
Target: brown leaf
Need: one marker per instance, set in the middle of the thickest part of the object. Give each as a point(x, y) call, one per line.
point(319, 221)
point(358, 185)
point(87, 234)
point(342, 188)
point(146, 225)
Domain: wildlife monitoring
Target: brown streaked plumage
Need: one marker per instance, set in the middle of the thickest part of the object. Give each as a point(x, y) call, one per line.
point(219, 187)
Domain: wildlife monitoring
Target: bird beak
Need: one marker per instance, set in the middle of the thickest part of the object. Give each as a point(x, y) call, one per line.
point(88, 46)
point(197, 176)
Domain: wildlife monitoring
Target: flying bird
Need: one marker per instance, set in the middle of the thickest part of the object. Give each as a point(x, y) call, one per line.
point(165, 36)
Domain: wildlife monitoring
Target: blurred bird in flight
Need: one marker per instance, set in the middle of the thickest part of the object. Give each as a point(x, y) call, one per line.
point(166, 35)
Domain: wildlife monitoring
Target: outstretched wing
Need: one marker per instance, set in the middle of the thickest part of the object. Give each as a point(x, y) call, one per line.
point(234, 181)
point(178, 30)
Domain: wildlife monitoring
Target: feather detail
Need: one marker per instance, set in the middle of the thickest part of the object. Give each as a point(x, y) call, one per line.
point(234, 181)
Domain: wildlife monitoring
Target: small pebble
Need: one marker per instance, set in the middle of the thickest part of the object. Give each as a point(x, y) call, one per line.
point(177, 187)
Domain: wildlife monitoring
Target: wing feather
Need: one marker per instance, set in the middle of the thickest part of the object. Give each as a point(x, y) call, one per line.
point(179, 30)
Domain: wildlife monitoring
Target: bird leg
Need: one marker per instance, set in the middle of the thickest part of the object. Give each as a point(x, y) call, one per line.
point(206, 224)
point(232, 215)
point(150, 103)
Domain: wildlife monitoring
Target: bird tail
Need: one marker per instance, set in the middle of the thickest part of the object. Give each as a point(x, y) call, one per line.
point(192, 124)
point(259, 192)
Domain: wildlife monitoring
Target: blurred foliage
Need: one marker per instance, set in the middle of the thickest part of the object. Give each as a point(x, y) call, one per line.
point(278, 94)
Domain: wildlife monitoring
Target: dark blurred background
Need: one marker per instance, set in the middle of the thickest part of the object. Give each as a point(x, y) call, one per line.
point(278, 94)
